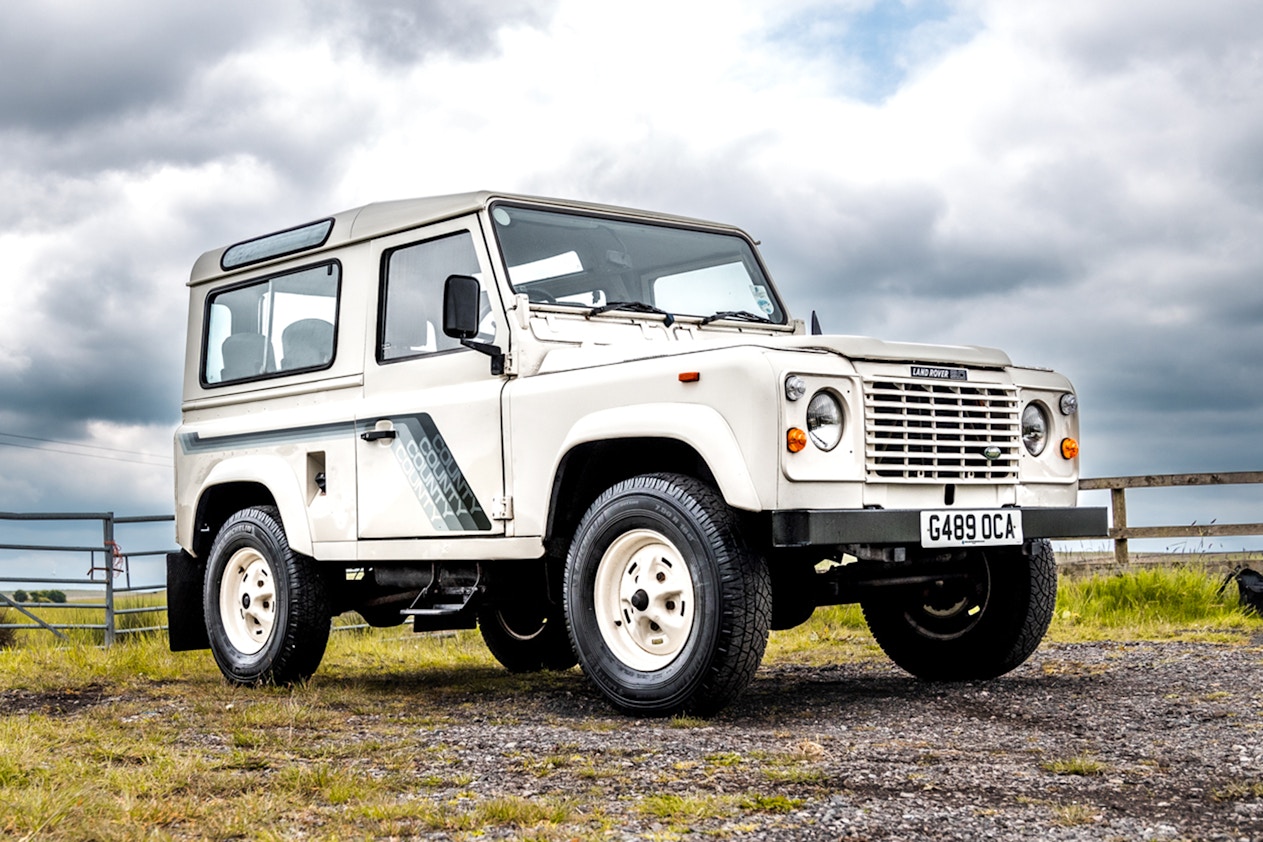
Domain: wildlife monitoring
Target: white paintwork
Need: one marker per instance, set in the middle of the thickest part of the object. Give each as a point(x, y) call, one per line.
point(700, 427)
point(571, 383)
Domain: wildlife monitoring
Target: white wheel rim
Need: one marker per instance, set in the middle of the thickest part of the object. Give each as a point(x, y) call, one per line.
point(644, 600)
point(247, 601)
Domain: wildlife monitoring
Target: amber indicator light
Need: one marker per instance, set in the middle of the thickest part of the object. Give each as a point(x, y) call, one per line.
point(795, 439)
point(1069, 448)
point(690, 376)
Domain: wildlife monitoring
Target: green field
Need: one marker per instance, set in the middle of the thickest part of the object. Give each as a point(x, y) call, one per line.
point(137, 742)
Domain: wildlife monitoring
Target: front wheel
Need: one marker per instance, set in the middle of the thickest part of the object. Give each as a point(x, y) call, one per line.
point(668, 606)
point(979, 622)
point(267, 611)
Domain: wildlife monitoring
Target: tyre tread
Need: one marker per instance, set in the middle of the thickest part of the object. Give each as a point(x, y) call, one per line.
point(305, 634)
point(744, 595)
point(989, 650)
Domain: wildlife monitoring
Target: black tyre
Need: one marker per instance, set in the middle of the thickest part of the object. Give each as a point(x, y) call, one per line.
point(667, 605)
point(527, 638)
point(978, 626)
point(267, 611)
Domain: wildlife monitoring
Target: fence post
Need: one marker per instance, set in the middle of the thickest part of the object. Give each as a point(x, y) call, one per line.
point(107, 525)
point(1118, 497)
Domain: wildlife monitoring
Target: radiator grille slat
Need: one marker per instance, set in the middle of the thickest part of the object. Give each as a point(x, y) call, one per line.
point(917, 430)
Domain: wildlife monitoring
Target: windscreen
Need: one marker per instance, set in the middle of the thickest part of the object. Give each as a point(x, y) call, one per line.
point(594, 262)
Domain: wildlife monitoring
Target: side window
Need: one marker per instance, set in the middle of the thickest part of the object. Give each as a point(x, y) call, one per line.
point(272, 326)
point(411, 321)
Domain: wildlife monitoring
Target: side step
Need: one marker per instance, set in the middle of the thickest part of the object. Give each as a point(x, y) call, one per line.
point(438, 609)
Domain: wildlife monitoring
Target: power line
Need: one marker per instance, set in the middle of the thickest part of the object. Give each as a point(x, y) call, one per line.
point(90, 455)
point(88, 446)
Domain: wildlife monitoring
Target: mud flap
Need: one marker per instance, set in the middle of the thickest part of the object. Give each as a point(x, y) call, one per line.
point(186, 622)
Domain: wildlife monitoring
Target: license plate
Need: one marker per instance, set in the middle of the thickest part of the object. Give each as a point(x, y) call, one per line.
point(980, 528)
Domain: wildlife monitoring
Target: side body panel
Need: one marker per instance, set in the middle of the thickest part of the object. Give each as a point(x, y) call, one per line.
point(727, 415)
point(292, 433)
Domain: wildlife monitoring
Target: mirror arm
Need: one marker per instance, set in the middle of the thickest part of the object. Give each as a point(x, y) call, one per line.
point(493, 351)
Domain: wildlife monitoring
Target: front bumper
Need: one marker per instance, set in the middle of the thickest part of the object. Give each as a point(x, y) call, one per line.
point(902, 527)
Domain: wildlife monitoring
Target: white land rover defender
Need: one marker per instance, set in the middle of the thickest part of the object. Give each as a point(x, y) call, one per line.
point(596, 434)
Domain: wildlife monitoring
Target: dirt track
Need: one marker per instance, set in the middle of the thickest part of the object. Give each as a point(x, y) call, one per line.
point(1084, 742)
point(1099, 741)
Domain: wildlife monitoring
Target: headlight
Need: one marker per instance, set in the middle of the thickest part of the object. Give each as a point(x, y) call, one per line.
point(824, 420)
point(1035, 428)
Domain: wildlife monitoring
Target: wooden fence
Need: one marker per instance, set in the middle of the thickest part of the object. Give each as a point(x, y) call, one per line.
point(1120, 531)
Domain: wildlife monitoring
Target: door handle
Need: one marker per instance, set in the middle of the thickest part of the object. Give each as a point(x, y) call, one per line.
point(377, 435)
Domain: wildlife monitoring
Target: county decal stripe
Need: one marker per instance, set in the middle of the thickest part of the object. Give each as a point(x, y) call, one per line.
point(440, 485)
point(194, 443)
point(420, 450)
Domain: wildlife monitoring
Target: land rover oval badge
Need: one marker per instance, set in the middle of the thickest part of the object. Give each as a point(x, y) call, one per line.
point(991, 453)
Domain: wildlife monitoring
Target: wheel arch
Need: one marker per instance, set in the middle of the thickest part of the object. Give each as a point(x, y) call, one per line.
point(613, 445)
point(236, 484)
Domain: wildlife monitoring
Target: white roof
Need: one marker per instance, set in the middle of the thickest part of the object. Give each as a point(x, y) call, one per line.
point(379, 218)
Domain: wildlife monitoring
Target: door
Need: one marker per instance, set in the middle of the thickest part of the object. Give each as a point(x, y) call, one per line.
point(429, 441)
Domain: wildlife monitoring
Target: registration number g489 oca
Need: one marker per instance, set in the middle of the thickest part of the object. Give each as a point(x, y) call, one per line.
point(971, 528)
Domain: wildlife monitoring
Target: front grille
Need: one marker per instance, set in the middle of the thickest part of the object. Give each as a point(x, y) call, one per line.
point(921, 431)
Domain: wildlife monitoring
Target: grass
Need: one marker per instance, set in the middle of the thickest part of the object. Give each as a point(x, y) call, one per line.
point(1180, 601)
point(1076, 815)
point(685, 808)
point(1157, 603)
point(1080, 765)
point(149, 608)
point(136, 741)
point(835, 632)
point(1239, 791)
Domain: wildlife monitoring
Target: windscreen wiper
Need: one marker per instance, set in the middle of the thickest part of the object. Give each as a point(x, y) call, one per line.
point(635, 307)
point(737, 316)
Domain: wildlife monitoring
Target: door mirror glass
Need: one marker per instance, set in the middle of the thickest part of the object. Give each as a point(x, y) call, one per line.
point(460, 306)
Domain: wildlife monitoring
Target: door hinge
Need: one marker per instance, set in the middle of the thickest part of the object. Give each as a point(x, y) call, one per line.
point(502, 508)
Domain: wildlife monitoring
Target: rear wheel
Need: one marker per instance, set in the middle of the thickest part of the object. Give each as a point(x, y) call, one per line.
point(527, 638)
point(979, 623)
point(266, 607)
point(668, 606)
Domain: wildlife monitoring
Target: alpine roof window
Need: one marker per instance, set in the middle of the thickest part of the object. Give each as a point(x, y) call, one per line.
point(289, 241)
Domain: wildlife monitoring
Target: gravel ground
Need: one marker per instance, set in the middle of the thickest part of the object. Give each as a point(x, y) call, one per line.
point(1084, 742)
point(1100, 741)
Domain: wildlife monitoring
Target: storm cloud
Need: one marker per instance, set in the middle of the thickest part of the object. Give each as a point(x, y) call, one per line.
point(1079, 184)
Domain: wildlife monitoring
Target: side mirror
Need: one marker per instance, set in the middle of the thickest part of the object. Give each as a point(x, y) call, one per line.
point(462, 298)
point(460, 306)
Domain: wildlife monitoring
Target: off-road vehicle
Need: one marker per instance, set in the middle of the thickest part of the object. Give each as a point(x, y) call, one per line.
point(597, 435)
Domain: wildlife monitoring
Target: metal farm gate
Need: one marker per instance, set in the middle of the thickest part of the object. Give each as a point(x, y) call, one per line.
point(109, 572)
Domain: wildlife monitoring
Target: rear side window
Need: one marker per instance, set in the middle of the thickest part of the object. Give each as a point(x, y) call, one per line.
point(272, 326)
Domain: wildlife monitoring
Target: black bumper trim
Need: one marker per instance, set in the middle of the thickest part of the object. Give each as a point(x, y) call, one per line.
point(835, 527)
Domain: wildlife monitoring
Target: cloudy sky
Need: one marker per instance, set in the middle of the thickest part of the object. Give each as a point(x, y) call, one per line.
point(1079, 183)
